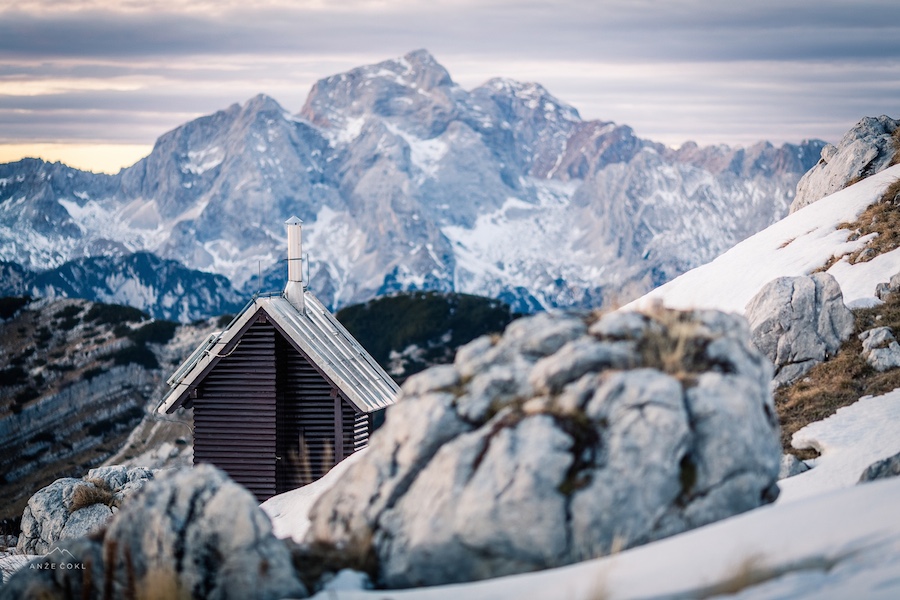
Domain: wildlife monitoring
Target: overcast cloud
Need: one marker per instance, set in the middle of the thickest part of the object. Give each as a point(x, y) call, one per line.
point(125, 72)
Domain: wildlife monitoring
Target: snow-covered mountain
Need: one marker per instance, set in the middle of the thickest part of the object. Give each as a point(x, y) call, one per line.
point(408, 181)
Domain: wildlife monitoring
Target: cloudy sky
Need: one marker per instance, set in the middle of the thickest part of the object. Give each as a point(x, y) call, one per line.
point(95, 82)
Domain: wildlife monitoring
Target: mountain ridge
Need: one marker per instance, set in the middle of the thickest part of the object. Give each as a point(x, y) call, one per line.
point(407, 182)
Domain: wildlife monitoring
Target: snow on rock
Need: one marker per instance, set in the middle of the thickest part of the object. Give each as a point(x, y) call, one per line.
point(189, 533)
point(561, 440)
point(863, 151)
point(796, 245)
point(798, 322)
point(849, 441)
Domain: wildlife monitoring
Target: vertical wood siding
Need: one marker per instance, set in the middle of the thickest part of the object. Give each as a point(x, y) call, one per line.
point(234, 413)
point(308, 424)
point(267, 417)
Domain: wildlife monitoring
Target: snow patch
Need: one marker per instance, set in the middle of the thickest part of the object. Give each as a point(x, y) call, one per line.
point(849, 441)
point(349, 132)
point(424, 154)
point(201, 161)
point(289, 511)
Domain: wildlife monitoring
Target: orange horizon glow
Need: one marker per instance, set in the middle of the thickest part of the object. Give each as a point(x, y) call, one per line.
point(95, 157)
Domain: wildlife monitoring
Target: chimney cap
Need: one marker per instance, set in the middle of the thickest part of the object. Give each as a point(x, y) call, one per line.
point(294, 221)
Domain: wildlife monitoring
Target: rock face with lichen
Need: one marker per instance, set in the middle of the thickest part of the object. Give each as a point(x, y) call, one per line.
point(564, 439)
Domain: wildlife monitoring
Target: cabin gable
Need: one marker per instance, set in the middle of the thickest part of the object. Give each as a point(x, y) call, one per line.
point(267, 415)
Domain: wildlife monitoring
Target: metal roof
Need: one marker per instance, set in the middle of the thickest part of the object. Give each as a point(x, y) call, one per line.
point(315, 332)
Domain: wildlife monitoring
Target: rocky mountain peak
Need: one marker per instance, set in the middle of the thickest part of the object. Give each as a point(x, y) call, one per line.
point(423, 70)
point(529, 97)
point(412, 85)
point(408, 182)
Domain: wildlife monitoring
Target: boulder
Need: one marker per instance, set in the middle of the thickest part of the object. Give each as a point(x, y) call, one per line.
point(189, 533)
point(799, 322)
point(880, 348)
point(882, 469)
point(883, 290)
point(863, 151)
point(566, 438)
point(71, 507)
point(790, 466)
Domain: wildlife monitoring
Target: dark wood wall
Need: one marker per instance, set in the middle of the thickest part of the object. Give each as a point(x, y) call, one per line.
point(317, 427)
point(234, 413)
point(267, 417)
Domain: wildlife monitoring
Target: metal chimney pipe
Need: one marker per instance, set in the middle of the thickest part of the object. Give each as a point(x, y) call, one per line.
point(293, 291)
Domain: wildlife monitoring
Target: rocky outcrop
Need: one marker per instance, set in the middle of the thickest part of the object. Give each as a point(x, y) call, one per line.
point(70, 508)
point(882, 469)
point(190, 533)
point(563, 439)
point(863, 151)
point(790, 466)
point(880, 348)
point(798, 322)
point(883, 290)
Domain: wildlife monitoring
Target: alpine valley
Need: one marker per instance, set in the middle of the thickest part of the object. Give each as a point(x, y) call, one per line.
point(405, 181)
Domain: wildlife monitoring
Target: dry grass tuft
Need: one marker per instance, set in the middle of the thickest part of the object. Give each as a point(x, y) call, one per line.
point(748, 573)
point(313, 561)
point(753, 571)
point(838, 382)
point(88, 495)
point(882, 219)
point(160, 584)
point(673, 344)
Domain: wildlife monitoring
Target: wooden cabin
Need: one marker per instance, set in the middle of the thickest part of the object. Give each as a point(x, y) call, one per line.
point(284, 393)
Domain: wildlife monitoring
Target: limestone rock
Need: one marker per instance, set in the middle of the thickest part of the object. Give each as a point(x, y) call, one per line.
point(190, 533)
point(790, 466)
point(798, 322)
point(880, 348)
point(863, 151)
point(564, 438)
point(71, 507)
point(891, 287)
point(882, 469)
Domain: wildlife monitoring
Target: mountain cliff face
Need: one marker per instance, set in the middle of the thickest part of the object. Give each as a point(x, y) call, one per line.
point(76, 377)
point(407, 181)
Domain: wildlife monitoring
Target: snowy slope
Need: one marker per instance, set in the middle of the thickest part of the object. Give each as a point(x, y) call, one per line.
point(796, 245)
point(826, 539)
point(288, 511)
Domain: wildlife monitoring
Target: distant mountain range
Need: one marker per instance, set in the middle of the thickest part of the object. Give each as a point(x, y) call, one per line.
point(406, 181)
